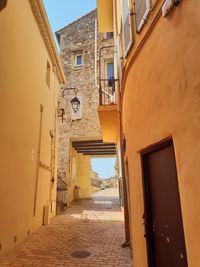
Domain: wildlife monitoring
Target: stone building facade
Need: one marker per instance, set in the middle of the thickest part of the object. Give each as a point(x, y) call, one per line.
point(79, 51)
point(96, 181)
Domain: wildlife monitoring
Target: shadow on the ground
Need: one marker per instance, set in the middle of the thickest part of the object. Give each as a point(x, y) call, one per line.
point(97, 208)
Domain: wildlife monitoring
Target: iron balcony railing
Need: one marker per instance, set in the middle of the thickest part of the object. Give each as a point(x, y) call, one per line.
point(107, 92)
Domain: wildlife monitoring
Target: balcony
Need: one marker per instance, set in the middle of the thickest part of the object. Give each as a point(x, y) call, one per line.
point(108, 110)
point(107, 94)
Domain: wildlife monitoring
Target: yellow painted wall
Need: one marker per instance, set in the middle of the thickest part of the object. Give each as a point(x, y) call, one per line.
point(83, 175)
point(94, 189)
point(23, 88)
point(108, 116)
point(162, 99)
point(105, 15)
point(72, 181)
point(79, 176)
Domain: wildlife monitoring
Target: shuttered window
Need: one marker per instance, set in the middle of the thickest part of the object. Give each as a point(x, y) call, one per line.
point(141, 11)
point(126, 26)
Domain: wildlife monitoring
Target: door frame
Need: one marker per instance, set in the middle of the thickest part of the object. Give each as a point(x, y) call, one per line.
point(146, 197)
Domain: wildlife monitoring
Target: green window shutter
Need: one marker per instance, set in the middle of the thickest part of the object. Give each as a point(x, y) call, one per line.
point(141, 10)
point(126, 26)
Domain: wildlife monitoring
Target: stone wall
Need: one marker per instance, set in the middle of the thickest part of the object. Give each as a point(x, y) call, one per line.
point(79, 38)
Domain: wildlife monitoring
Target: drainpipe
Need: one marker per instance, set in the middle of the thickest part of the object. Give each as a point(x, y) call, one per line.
point(38, 159)
point(52, 168)
point(95, 54)
point(53, 142)
point(125, 194)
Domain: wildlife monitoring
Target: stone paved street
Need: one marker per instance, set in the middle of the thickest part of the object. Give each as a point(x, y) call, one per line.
point(94, 226)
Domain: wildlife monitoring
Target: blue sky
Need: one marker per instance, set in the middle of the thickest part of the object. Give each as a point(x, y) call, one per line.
point(103, 166)
point(60, 14)
point(63, 12)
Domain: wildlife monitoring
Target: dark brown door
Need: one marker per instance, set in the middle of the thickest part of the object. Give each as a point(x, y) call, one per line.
point(163, 218)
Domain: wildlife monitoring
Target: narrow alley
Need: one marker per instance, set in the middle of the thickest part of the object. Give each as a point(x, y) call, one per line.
point(89, 233)
point(99, 147)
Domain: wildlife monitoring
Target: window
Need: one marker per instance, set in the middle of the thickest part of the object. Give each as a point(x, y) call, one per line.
point(78, 60)
point(48, 73)
point(110, 90)
point(142, 9)
point(109, 35)
point(110, 70)
point(126, 26)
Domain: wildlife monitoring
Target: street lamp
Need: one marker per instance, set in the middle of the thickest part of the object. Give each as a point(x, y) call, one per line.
point(74, 102)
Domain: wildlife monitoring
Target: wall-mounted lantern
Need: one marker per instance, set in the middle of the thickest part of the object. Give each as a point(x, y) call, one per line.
point(74, 102)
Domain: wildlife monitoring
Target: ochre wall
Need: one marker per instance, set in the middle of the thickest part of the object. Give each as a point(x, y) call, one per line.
point(79, 176)
point(162, 99)
point(108, 116)
point(94, 189)
point(83, 175)
point(23, 88)
point(72, 178)
point(105, 15)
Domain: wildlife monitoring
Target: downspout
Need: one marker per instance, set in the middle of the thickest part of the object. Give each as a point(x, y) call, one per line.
point(122, 149)
point(52, 168)
point(95, 54)
point(124, 182)
point(53, 143)
point(38, 160)
point(125, 195)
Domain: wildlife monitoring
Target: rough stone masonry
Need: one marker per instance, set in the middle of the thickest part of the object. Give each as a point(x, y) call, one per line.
point(78, 38)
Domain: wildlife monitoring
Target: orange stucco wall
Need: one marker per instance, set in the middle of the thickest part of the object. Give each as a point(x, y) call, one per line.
point(108, 116)
point(162, 99)
point(23, 88)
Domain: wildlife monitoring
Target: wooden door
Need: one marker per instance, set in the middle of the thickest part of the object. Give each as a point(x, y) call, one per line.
point(163, 218)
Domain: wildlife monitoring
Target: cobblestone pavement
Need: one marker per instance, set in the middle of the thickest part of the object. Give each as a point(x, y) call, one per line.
point(94, 225)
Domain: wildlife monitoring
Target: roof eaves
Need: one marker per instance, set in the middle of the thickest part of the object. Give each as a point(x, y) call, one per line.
point(73, 22)
point(45, 29)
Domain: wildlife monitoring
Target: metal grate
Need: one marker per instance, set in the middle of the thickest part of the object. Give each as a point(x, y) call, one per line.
point(80, 254)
